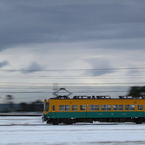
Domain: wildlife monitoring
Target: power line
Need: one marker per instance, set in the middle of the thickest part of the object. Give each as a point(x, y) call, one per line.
point(95, 69)
point(52, 92)
point(86, 78)
point(79, 77)
point(50, 84)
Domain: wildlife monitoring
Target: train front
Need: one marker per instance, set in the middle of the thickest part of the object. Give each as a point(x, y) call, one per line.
point(46, 113)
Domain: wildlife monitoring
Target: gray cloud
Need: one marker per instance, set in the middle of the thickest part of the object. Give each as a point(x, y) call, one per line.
point(43, 21)
point(101, 65)
point(33, 67)
point(3, 63)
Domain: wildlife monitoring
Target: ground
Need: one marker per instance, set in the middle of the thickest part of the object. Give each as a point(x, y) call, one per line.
point(32, 131)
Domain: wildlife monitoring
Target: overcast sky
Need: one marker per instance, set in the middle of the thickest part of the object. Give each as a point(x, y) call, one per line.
point(60, 34)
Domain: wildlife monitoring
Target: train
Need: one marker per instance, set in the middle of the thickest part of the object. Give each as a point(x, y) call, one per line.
point(66, 110)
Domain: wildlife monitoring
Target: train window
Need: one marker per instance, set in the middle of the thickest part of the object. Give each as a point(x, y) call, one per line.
point(64, 107)
point(53, 107)
point(82, 107)
point(67, 107)
point(132, 107)
point(106, 107)
point(129, 107)
point(126, 107)
point(61, 107)
point(117, 107)
point(46, 106)
point(120, 107)
point(74, 107)
point(140, 107)
point(103, 107)
point(93, 107)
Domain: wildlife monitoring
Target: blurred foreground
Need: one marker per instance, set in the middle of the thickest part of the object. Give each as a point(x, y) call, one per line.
point(31, 130)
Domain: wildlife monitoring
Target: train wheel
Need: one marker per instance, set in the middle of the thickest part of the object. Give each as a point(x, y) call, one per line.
point(68, 121)
point(55, 122)
point(48, 122)
point(138, 121)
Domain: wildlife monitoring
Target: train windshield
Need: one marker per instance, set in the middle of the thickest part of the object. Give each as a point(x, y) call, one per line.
point(46, 106)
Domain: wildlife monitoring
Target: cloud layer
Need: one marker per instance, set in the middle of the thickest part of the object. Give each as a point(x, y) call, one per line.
point(3, 63)
point(110, 24)
point(60, 34)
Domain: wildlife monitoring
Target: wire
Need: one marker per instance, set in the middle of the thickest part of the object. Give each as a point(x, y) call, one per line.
point(71, 78)
point(50, 84)
point(105, 69)
point(59, 92)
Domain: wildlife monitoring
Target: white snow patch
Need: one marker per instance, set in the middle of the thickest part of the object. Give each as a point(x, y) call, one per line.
point(31, 130)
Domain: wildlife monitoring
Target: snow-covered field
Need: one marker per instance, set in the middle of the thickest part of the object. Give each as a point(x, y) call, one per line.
point(31, 131)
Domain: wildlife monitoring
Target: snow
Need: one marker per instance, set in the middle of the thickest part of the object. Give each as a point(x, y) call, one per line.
point(31, 130)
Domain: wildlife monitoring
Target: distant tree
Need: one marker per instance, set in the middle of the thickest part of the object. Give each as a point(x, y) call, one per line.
point(9, 99)
point(37, 105)
point(24, 106)
point(136, 91)
point(31, 107)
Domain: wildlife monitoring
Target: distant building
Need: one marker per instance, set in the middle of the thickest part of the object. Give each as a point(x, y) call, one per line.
point(22, 107)
point(9, 107)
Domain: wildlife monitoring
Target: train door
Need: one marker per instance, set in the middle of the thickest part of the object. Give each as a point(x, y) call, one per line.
point(53, 108)
point(83, 111)
point(87, 111)
point(140, 110)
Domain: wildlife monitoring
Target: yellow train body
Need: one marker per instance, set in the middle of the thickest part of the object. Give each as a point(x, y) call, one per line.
point(89, 110)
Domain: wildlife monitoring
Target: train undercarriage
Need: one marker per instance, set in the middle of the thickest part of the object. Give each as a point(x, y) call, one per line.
point(68, 121)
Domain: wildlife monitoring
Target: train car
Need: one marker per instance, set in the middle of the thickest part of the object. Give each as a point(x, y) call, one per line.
point(62, 109)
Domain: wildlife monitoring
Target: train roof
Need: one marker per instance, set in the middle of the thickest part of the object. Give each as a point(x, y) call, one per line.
point(95, 97)
point(66, 97)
